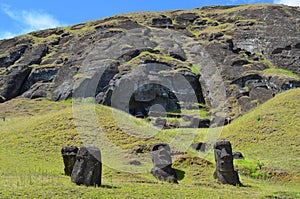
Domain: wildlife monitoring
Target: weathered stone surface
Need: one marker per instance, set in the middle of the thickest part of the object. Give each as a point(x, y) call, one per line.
point(42, 75)
point(69, 157)
point(34, 55)
point(63, 83)
point(246, 104)
point(121, 52)
point(200, 123)
point(88, 166)
point(38, 90)
point(162, 22)
point(162, 161)
point(237, 155)
point(225, 172)
point(160, 123)
point(186, 18)
point(12, 80)
point(12, 55)
point(261, 94)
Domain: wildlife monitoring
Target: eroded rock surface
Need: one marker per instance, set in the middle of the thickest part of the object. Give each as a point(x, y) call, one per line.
point(241, 55)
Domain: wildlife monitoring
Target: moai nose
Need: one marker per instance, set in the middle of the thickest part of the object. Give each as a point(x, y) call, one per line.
point(224, 154)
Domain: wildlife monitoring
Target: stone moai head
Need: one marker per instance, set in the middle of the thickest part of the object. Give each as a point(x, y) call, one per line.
point(223, 156)
point(162, 161)
point(88, 167)
point(69, 156)
point(161, 155)
point(224, 163)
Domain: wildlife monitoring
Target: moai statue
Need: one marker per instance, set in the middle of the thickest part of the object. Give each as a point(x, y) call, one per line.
point(88, 166)
point(225, 172)
point(162, 161)
point(69, 157)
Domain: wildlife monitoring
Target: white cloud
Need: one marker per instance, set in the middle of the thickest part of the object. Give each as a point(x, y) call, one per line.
point(7, 35)
point(37, 21)
point(288, 2)
point(28, 21)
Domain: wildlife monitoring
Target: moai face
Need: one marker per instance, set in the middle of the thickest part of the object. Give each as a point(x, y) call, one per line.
point(223, 156)
point(88, 167)
point(69, 156)
point(161, 155)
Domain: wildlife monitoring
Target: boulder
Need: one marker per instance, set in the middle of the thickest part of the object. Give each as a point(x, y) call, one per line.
point(199, 146)
point(12, 55)
point(162, 22)
point(186, 18)
point(12, 80)
point(38, 90)
point(261, 94)
point(245, 104)
point(41, 75)
point(88, 166)
point(160, 123)
point(199, 123)
point(237, 155)
point(34, 55)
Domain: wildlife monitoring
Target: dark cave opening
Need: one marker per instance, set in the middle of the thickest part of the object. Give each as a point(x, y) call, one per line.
point(153, 99)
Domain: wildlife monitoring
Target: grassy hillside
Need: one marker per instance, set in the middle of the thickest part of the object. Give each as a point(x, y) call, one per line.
point(34, 131)
point(270, 133)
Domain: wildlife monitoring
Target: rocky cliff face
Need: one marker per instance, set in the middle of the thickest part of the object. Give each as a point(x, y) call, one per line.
point(218, 57)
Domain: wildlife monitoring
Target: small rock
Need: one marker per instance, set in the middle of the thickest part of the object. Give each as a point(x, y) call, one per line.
point(237, 155)
point(199, 146)
point(135, 162)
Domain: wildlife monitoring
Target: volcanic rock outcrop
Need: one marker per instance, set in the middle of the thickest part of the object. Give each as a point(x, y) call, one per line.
point(229, 58)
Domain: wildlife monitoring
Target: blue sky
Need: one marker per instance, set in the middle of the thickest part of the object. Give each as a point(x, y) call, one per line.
point(23, 16)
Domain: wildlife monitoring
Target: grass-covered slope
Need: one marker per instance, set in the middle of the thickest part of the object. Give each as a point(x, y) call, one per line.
point(270, 133)
point(34, 131)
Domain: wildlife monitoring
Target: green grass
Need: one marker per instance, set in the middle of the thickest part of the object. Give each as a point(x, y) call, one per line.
point(34, 131)
point(270, 133)
point(281, 73)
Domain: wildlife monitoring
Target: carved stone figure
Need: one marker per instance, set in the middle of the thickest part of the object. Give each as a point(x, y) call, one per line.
point(88, 167)
point(225, 172)
point(162, 161)
point(69, 157)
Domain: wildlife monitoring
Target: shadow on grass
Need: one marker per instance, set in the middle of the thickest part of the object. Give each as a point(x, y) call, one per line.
point(180, 174)
point(109, 186)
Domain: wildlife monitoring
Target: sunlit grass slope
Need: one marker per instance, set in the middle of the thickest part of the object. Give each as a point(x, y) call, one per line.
point(270, 133)
point(34, 131)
